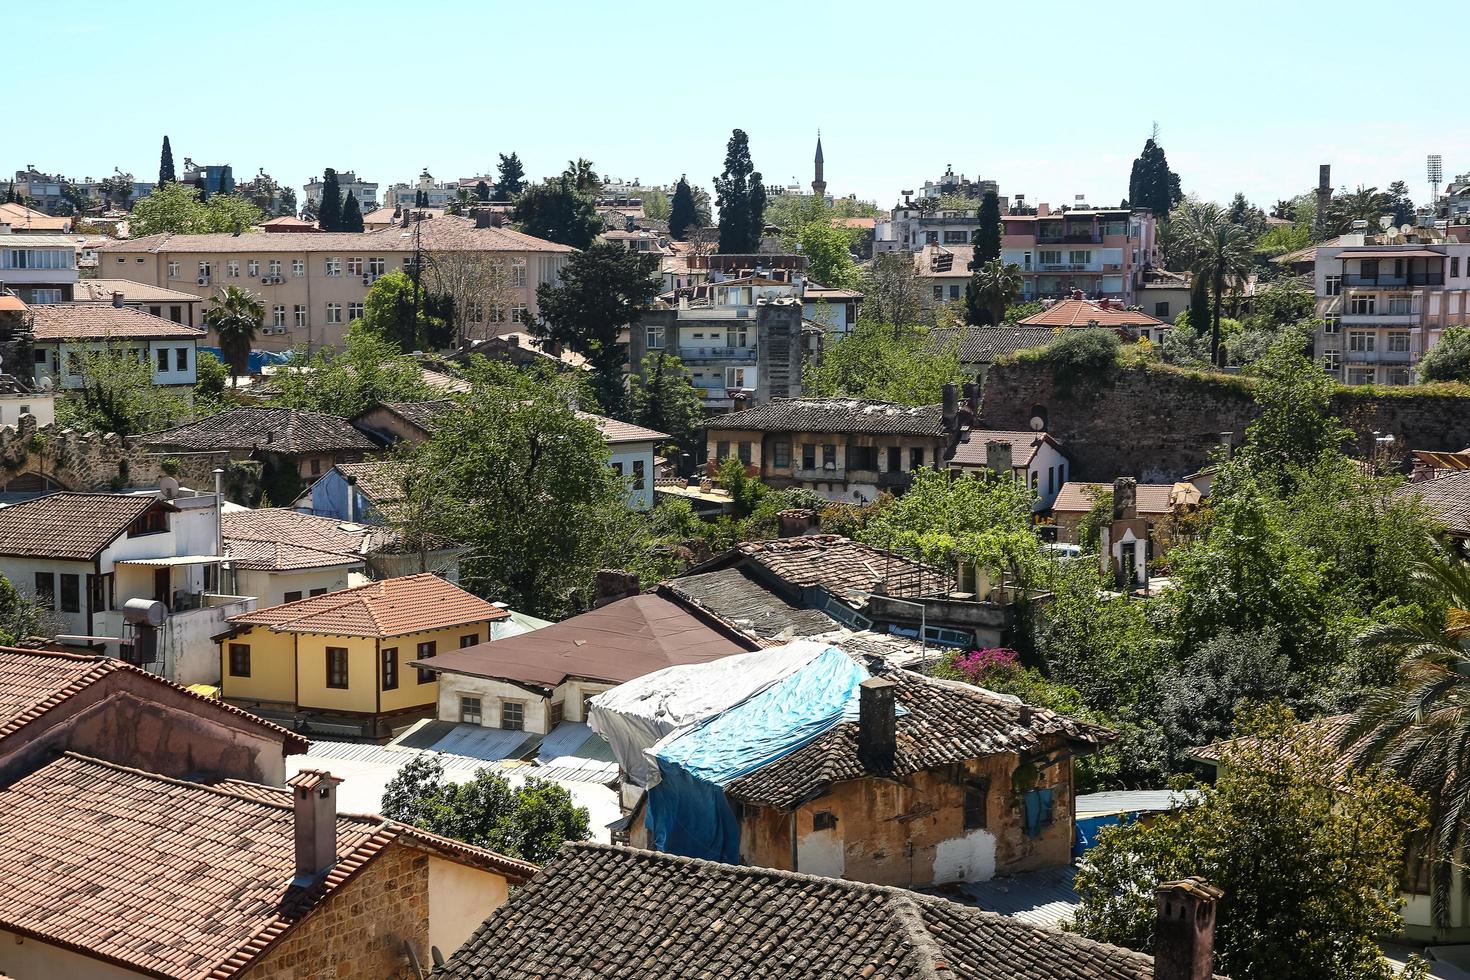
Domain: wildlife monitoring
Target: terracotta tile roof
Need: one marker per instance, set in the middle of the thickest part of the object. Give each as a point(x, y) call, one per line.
point(287, 221)
point(841, 566)
point(971, 450)
point(1329, 731)
point(22, 218)
point(835, 415)
point(1153, 498)
point(72, 526)
point(616, 432)
point(379, 480)
point(101, 290)
point(1082, 313)
point(946, 722)
point(440, 234)
point(982, 345)
point(422, 414)
point(171, 878)
point(391, 607)
point(33, 682)
point(854, 222)
point(85, 321)
point(1448, 497)
point(620, 914)
point(282, 556)
point(616, 642)
point(278, 430)
point(286, 526)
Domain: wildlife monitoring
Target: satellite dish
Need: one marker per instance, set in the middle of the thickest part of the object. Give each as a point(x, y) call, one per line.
point(45, 384)
point(1037, 423)
point(168, 486)
point(1385, 221)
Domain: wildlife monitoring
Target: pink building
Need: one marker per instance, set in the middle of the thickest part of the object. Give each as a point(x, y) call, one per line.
point(1103, 252)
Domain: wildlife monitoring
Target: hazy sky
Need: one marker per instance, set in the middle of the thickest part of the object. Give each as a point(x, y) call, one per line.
point(1052, 99)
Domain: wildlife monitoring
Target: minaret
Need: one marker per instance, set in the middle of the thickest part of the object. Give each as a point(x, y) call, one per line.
point(819, 186)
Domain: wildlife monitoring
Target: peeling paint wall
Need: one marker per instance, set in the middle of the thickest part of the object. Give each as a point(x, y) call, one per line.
point(821, 852)
point(968, 858)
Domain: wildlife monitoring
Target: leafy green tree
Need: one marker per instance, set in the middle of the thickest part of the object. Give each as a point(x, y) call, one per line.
point(661, 398)
point(1309, 866)
point(10, 193)
point(558, 212)
point(234, 318)
point(1247, 216)
point(329, 211)
point(368, 369)
point(681, 211)
point(524, 483)
point(351, 214)
point(746, 492)
point(1199, 697)
point(1295, 426)
point(399, 310)
point(828, 249)
point(1219, 253)
point(583, 176)
point(482, 191)
point(1363, 204)
point(602, 290)
point(886, 363)
point(20, 618)
point(656, 204)
point(529, 822)
point(512, 177)
point(178, 209)
point(117, 394)
point(992, 287)
point(1448, 360)
point(166, 166)
point(890, 287)
point(211, 380)
point(1152, 184)
point(740, 195)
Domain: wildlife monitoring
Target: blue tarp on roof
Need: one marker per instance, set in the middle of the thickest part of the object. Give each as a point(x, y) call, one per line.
point(258, 358)
point(687, 810)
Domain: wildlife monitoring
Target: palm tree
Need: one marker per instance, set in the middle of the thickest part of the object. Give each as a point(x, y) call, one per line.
point(1219, 251)
point(1419, 728)
point(234, 318)
point(582, 175)
point(996, 285)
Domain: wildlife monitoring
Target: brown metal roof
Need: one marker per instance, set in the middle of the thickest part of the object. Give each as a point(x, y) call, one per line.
point(1392, 253)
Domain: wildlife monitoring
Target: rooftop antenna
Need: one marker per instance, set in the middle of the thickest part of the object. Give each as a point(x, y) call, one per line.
point(1436, 176)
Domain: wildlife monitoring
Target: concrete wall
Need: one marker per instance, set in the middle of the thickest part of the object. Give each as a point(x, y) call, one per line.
point(460, 898)
point(492, 694)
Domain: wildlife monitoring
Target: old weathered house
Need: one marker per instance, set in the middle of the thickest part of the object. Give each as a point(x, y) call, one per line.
point(299, 442)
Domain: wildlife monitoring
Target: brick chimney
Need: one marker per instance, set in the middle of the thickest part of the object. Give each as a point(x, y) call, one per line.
point(951, 405)
point(315, 795)
point(614, 584)
point(797, 521)
point(117, 298)
point(1184, 935)
point(877, 732)
point(482, 218)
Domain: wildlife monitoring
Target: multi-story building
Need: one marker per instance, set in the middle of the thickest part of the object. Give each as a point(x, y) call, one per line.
point(1382, 306)
point(436, 193)
point(313, 286)
point(66, 333)
point(38, 268)
point(46, 190)
point(365, 191)
point(217, 178)
point(951, 183)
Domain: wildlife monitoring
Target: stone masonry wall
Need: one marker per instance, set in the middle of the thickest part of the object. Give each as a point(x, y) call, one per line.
point(1160, 425)
point(360, 931)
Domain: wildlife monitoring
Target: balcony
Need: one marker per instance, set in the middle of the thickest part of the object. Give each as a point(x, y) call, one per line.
point(1070, 238)
point(1382, 319)
point(1069, 267)
point(1386, 281)
point(716, 313)
point(717, 354)
point(1379, 357)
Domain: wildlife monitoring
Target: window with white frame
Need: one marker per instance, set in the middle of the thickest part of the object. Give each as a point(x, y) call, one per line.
point(232, 268)
point(1079, 256)
point(1360, 376)
point(298, 267)
point(354, 312)
point(1332, 323)
point(655, 338)
point(332, 267)
point(273, 268)
point(1398, 342)
point(354, 267)
point(252, 268)
point(512, 715)
point(497, 314)
point(278, 315)
point(173, 270)
point(520, 314)
point(1362, 305)
point(300, 315)
point(376, 266)
point(1332, 361)
point(1332, 286)
point(518, 273)
point(43, 296)
point(334, 312)
point(1400, 306)
point(1361, 342)
point(205, 271)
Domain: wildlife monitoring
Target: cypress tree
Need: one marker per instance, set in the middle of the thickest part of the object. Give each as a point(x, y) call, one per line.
point(10, 193)
point(482, 191)
point(757, 210)
point(733, 196)
point(351, 214)
point(512, 176)
point(166, 164)
point(988, 236)
point(681, 210)
point(329, 212)
point(1199, 304)
point(1152, 184)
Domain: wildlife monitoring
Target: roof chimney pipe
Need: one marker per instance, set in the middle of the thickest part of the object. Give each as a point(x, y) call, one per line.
point(315, 795)
point(1184, 934)
point(117, 298)
point(877, 725)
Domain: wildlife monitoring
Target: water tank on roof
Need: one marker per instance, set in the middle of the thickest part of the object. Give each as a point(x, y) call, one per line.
point(145, 612)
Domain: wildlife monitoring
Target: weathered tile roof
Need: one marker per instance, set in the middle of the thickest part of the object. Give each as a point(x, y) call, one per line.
point(33, 682)
point(72, 526)
point(841, 566)
point(971, 451)
point(101, 290)
point(1448, 497)
point(286, 526)
point(391, 607)
point(617, 914)
point(735, 598)
point(615, 431)
point(982, 345)
point(1083, 313)
point(379, 480)
point(1328, 731)
point(21, 217)
point(836, 415)
point(424, 414)
point(281, 556)
point(442, 234)
point(103, 321)
point(946, 722)
point(277, 430)
point(1153, 498)
point(171, 878)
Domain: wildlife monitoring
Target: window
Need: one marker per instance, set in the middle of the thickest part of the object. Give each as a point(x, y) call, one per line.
point(298, 267)
point(1361, 342)
point(334, 312)
point(655, 338)
point(1360, 376)
point(273, 267)
point(354, 312)
point(206, 271)
point(332, 267)
point(155, 311)
point(152, 521)
point(824, 820)
point(162, 353)
point(862, 457)
point(916, 457)
point(1079, 256)
point(71, 592)
point(743, 451)
point(640, 476)
point(1051, 480)
point(469, 640)
point(173, 271)
point(316, 467)
point(278, 315)
point(1161, 310)
point(1398, 376)
point(736, 337)
point(555, 713)
point(1051, 257)
point(1362, 305)
point(829, 457)
point(956, 237)
point(954, 292)
point(292, 596)
point(781, 453)
point(722, 451)
point(1400, 306)
point(1035, 481)
point(376, 267)
point(181, 358)
point(1332, 361)
point(1398, 342)
point(1332, 323)
point(512, 715)
point(337, 667)
point(389, 669)
point(809, 457)
point(426, 652)
point(176, 314)
point(46, 590)
point(1332, 286)
point(98, 588)
point(253, 267)
point(1368, 269)
point(232, 268)
point(469, 710)
point(239, 660)
point(354, 267)
point(300, 312)
point(939, 293)
point(315, 592)
point(518, 273)
point(520, 314)
point(977, 800)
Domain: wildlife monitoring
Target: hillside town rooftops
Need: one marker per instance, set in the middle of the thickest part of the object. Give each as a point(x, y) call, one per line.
point(102, 322)
point(390, 607)
point(287, 431)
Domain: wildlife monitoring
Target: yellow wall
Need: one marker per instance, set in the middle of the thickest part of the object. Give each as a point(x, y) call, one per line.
point(460, 898)
point(311, 673)
point(410, 693)
point(272, 667)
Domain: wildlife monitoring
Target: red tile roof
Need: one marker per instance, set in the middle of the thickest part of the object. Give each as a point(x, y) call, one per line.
point(70, 526)
point(1083, 313)
point(85, 321)
point(971, 450)
point(101, 290)
point(447, 233)
point(1153, 498)
point(172, 878)
point(615, 431)
point(392, 607)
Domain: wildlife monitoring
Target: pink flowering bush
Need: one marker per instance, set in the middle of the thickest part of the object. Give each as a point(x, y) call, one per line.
point(977, 665)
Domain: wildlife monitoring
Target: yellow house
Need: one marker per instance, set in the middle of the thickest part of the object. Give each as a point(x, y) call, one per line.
point(342, 658)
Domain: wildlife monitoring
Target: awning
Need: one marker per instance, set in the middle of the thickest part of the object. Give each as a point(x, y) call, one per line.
point(1393, 253)
point(171, 561)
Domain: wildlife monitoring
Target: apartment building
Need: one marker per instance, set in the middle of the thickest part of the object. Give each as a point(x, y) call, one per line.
point(1384, 302)
point(38, 268)
point(313, 286)
point(436, 193)
point(366, 191)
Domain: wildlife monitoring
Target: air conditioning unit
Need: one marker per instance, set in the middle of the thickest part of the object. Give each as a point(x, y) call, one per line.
point(202, 281)
point(367, 280)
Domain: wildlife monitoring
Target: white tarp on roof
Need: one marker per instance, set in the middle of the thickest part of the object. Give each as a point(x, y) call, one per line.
point(636, 716)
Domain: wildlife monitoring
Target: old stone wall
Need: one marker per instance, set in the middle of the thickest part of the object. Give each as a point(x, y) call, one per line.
point(361, 930)
point(1160, 424)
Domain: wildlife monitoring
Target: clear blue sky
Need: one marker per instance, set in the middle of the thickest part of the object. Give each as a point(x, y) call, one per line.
point(1050, 99)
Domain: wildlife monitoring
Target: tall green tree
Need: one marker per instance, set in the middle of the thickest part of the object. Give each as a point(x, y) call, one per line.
point(399, 310)
point(558, 212)
point(602, 290)
point(583, 176)
point(681, 214)
point(1220, 253)
point(1152, 184)
point(351, 214)
point(166, 165)
point(992, 287)
point(988, 235)
point(512, 177)
point(235, 318)
point(661, 398)
point(329, 211)
point(1448, 360)
point(116, 394)
point(368, 369)
point(178, 209)
point(10, 193)
point(740, 196)
point(482, 191)
point(887, 362)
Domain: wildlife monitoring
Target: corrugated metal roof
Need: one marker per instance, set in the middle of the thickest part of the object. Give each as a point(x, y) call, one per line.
point(1131, 801)
point(1039, 898)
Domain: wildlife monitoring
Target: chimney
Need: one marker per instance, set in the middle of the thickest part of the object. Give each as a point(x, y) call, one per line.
point(1184, 934)
point(1043, 210)
point(482, 218)
point(951, 404)
point(1125, 498)
point(614, 584)
point(117, 298)
point(877, 736)
point(352, 500)
point(998, 457)
point(315, 794)
point(797, 521)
